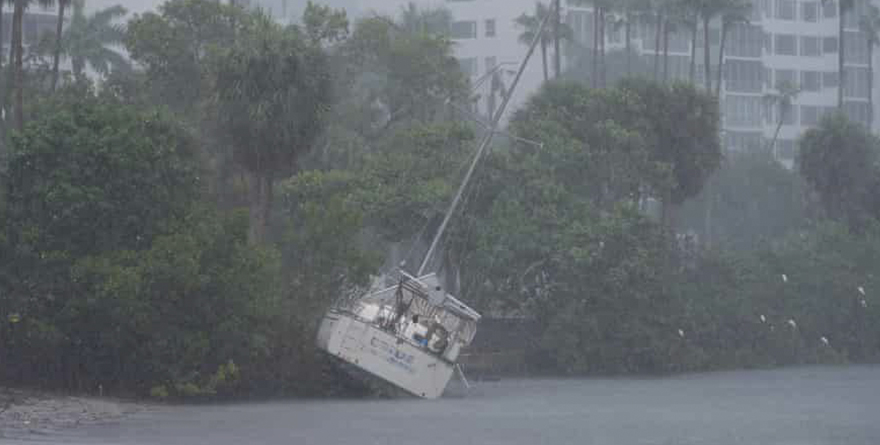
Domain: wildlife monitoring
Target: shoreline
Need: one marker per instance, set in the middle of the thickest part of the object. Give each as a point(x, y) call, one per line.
point(25, 412)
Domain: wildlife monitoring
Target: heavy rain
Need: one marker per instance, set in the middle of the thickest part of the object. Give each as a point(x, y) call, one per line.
point(606, 222)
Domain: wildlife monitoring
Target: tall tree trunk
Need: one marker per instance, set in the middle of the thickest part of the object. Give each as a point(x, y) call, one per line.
point(59, 28)
point(2, 36)
point(870, 83)
point(628, 38)
point(666, 51)
point(657, 37)
point(721, 60)
point(603, 69)
point(12, 43)
point(692, 73)
point(260, 190)
point(706, 55)
point(841, 72)
point(17, 45)
point(557, 25)
point(776, 133)
point(707, 222)
point(594, 79)
point(544, 59)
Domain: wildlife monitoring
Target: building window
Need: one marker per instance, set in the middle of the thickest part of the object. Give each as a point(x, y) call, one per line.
point(810, 115)
point(829, 9)
point(786, 76)
point(857, 112)
point(811, 81)
point(745, 41)
point(856, 82)
point(829, 79)
point(742, 111)
point(490, 28)
point(744, 76)
point(786, 9)
point(756, 14)
point(464, 30)
point(786, 44)
point(829, 45)
point(810, 46)
point(810, 11)
point(856, 48)
point(468, 66)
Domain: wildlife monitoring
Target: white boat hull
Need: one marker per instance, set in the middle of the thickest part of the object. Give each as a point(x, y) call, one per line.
point(384, 355)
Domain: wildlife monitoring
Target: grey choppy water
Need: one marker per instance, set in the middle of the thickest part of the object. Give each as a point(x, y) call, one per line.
point(803, 406)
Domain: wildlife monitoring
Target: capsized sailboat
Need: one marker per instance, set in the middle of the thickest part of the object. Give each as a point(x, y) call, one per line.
point(411, 334)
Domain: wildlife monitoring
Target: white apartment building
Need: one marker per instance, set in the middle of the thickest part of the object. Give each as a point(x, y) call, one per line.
point(785, 40)
point(485, 37)
point(793, 40)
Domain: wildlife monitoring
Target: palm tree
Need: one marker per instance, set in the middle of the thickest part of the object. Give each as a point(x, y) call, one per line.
point(784, 98)
point(658, 8)
point(870, 26)
point(15, 76)
point(670, 26)
point(531, 25)
point(602, 8)
point(557, 34)
point(59, 29)
point(690, 11)
point(631, 9)
point(598, 41)
point(45, 4)
point(2, 6)
point(709, 9)
point(735, 11)
point(16, 62)
point(425, 21)
point(87, 39)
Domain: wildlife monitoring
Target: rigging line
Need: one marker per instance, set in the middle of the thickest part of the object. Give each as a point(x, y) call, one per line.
point(414, 241)
point(483, 145)
point(486, 126)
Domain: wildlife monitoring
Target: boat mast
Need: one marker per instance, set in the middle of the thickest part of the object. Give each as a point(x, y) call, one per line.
point(483, 145)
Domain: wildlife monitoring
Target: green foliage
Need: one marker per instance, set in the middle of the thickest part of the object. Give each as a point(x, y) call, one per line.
point(749, 201)
point(173, 44)
point(684, 128)
point(88, 40)
point(436, 21)
point(839, 161)
point(116, 268)
point(93, 176)
point(410, 75)
point(637, 136)
point(321, 243)
point(182, 309)
point(105, 230)
point(270, 88)
point(324, 24)
point(405, 181)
